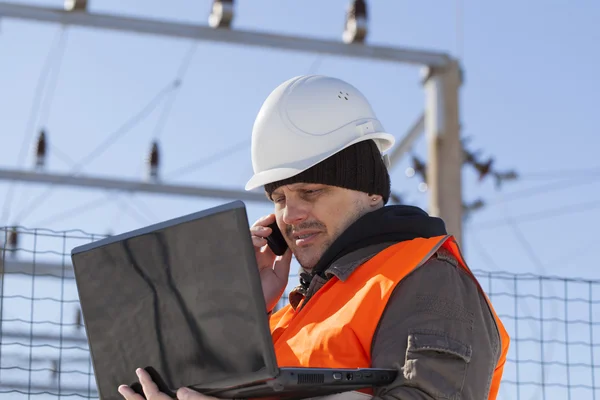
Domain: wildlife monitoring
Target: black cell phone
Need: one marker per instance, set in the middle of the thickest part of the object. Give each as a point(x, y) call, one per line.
point(276, 241)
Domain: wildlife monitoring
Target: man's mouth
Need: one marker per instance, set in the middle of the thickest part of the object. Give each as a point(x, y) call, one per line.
point(304, 238)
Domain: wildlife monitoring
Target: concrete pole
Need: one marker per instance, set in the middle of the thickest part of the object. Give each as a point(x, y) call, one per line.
point(445, 156)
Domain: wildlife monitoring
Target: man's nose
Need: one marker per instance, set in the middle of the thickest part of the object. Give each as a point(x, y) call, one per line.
point(295, 212)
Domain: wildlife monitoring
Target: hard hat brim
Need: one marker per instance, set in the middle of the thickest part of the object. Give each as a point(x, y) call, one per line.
point(385, 141)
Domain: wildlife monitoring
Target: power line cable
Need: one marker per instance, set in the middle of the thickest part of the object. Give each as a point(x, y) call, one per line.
point(47, 106)
point(541, 215)
point(59, 41)
point(562, 174)
point(527, 246)
point(72, 212)
point(459, 29)
point(176, 83)
point(572, 254)
point(61, 155)
point(111, 139)
point(149, 214)
point(166, 111)
point(117, 216)
point(522, 240)
point(136, 215)
point(314, 66)
point(523, 306)
point(158, 130)
point(543, 189)
point(92, 205)
point(49, 97)
point(204, 162)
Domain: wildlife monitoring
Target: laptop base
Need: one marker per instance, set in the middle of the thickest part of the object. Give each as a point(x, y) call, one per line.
point(298, 383)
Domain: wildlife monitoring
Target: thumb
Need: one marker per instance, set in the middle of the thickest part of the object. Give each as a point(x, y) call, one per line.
point(188, 394)
point(281, 267)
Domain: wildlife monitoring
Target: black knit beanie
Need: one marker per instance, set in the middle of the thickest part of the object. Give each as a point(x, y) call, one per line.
point(358, 167)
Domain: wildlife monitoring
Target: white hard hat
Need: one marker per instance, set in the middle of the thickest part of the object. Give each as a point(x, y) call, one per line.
point(307, 119)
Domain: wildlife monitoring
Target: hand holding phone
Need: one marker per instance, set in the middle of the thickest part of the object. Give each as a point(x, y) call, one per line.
point(273, 265)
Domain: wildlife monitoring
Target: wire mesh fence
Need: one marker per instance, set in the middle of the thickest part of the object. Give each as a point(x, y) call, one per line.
point(553, 324)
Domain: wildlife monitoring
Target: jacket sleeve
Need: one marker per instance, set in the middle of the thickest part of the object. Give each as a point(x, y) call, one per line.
point(440, 334)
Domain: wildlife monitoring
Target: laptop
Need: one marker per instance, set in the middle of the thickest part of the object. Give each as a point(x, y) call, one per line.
point(183, 299)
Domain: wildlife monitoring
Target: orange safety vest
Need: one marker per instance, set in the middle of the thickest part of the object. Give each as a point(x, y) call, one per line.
point(319, 336)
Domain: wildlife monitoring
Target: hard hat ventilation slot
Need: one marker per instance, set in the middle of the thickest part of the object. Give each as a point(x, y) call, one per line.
point(344, 95)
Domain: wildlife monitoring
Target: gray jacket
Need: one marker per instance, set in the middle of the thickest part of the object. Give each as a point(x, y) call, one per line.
point(437, 330)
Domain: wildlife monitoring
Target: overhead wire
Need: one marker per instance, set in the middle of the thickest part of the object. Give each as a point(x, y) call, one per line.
point(164, 115)
point(314, 66)
point(93, 204)
point(61, 155)
point(171, 88)
point(539, 265)
point(459, 29)
point(178, 81)
point(175, 84)
point(134, 213)
point(46, 106)
point(543, 189)
point(486, 256)
point(204, 162)
point(72, 212)
point(117, 216)
point(101, 148)
point(528, 248)
point(562, 174)
point(523, 306)
point(56, 50)
point(541, 215)
point(531, 254)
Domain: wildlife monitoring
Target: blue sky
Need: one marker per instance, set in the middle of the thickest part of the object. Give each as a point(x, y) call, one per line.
point(529, 100)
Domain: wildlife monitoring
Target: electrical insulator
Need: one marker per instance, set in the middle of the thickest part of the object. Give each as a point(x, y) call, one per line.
point(356, 27)
point(76, 5)
point(221, 14)
point(12, 242)
point(40, 150)
point(154, 161)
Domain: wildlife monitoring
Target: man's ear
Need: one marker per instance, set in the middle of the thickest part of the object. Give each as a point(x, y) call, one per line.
point(375, 199)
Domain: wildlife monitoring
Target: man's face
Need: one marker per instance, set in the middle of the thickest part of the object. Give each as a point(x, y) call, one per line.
point(312, 216)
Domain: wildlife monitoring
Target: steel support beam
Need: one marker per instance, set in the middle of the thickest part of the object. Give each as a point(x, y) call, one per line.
point(231, 36)
point(407, 141)
point(128, 185)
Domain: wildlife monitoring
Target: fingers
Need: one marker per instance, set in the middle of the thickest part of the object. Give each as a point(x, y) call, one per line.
point(264, 221)
point(128, 393)
point(258, 240)
point(187, 394)
point(259, 231)
point(148, 385)
point(281, 267)
point(149, 388)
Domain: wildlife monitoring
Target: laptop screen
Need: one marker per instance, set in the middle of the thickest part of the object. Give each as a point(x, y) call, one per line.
point(179, 298)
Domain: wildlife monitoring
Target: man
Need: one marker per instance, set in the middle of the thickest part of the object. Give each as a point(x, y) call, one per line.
point(381, 286)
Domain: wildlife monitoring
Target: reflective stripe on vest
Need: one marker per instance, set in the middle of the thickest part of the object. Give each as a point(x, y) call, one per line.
point(343, 315)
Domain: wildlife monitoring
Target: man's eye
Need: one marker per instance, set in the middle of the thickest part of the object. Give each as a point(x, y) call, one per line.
point(314, 191)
